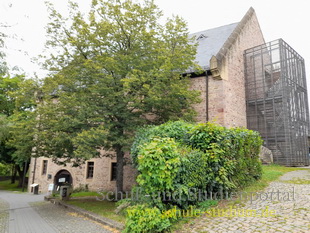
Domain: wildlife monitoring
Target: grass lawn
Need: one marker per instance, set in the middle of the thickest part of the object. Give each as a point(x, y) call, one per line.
point(270, 173)
point(85, 194)
point(6, 185)
point(103, 208)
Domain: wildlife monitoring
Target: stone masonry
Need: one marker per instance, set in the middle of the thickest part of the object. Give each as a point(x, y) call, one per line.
point(100, 181)
point(227, 95)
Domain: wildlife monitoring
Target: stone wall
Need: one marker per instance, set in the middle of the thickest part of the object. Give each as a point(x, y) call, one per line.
point(249, 36)
point(216, 100)
point(101, 179)
point(199, 83)
point(227, 94)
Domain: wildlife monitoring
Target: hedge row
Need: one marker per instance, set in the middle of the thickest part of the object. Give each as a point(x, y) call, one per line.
point(177, 158)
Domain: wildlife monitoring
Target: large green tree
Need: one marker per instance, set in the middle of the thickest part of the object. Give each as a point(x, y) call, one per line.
point(115, 70)
point(17, 115)
point(17, 121)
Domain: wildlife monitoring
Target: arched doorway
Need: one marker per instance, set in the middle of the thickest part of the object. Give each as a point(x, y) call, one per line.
point(63, 177)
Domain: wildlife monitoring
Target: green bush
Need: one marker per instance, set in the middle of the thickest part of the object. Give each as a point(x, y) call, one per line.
point(168, 168)
point(181, 158)
point(176, 130)
point(144, 219)
point(5, 169)
point(233, 154)
point(213, 157)
point(192, 175)
point(158, 164)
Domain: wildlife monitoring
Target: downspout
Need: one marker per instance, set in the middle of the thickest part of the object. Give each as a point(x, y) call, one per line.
point(207, 96)
point(34, 169)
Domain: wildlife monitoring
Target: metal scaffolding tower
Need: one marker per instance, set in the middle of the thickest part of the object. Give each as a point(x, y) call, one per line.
point(277, 101)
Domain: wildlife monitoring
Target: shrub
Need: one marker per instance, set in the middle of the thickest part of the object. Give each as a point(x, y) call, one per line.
point(5, 169)
point(158, 164)
point(179, 157)
point(177, 130)
point(192, 175)
point(203, 156)
point(233, 154)
point(144, 219)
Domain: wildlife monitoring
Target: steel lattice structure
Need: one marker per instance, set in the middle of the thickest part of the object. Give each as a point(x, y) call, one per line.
point(277, 101)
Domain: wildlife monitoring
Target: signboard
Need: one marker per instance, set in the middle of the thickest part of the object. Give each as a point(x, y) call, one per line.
point(50, 187)
point(62, 180)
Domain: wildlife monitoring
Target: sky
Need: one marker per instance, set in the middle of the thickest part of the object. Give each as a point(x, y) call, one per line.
point(278, 19)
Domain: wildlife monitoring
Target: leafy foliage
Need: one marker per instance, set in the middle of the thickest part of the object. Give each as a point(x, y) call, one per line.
point(204, 157)
point(232, 155)
point(159, 162)
point(173, 129)
point(144, 219)
point(17, 121)
point(110, 73)
point(5, 169)
point(179, 160)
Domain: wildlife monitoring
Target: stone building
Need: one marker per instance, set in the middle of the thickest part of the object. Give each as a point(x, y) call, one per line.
point(221, 54)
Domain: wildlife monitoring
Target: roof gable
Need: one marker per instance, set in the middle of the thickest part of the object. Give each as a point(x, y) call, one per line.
point(210, 42)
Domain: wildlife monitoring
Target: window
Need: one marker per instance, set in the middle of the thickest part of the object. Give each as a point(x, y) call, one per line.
point(90, 170)
point(113, 171)
point(44, 167)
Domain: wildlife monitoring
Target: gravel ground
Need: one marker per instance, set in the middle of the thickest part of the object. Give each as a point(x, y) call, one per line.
point(68, 222)
point(290, 203)
point(4, 216)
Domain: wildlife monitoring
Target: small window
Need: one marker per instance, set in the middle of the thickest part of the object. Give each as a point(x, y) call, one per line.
point(113, 171)
point(44, 167)
point(90, 169)
point(202, 36)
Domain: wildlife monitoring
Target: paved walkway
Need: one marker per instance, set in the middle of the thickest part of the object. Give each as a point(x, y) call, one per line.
point(287, 198)
point(28, 213)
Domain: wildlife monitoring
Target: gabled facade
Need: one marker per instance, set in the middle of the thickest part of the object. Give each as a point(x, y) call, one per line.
point(220, 53)
point(223, 93)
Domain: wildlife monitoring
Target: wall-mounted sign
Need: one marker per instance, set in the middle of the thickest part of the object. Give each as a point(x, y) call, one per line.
point(50, 187)
point(62, 180)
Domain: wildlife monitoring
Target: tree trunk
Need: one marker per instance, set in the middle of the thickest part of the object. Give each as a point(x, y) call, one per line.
point(119, 170)
point(14, 172)
point(21, 174)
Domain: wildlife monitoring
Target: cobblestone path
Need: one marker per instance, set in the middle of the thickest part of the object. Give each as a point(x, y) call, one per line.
point(284, 206)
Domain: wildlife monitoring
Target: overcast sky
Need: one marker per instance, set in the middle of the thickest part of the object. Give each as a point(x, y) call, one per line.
point(288, 20)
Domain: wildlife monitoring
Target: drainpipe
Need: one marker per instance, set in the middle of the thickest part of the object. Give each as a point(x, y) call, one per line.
point(34, 169)
point(207, 96)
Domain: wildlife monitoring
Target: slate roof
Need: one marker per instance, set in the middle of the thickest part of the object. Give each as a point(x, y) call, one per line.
point(210, 42)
